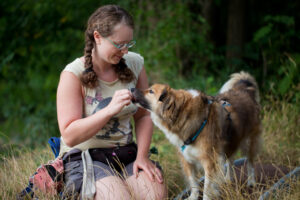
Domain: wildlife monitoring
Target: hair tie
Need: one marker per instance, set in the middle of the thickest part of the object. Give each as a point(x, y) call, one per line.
point(89, 69)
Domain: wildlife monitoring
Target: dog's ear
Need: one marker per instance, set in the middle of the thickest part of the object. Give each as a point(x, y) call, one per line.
point(163, 95)
point(204, 99)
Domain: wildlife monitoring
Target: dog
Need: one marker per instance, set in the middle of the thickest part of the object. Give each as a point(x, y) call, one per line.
point(208, 130)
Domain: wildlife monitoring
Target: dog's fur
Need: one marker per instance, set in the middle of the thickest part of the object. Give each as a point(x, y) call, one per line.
point(180, 113)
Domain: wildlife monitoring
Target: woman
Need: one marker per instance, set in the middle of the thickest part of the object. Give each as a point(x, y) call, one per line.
point(94, 110)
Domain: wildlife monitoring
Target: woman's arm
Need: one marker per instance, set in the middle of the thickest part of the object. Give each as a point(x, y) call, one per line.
point(143, 122)
point(73, 128)
point(144, 130)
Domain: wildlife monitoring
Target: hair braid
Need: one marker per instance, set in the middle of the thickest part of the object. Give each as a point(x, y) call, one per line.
point(123, 72)
point(89, 77)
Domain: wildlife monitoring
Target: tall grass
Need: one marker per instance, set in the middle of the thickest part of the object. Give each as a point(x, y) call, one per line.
point(281, 146)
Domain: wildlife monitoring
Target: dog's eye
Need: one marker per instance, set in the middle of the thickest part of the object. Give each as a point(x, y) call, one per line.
point(151, 91)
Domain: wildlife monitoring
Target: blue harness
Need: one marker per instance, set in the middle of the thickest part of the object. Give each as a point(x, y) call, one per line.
point(194, 137)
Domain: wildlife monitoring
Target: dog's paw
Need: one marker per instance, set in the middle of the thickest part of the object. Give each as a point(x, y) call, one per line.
point(193, 196)
point(228, 178)
point(251, 182)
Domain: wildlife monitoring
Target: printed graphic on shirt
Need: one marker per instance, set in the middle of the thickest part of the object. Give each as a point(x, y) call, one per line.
point(102, 104)
point(113, 126)
point(93, 100)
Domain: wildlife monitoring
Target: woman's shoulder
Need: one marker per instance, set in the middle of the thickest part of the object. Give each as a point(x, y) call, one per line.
point(76, 67)
point(133, 56)
point(134, 61)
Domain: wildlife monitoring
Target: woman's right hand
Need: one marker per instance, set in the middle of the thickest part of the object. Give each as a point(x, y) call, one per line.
point(120, 99)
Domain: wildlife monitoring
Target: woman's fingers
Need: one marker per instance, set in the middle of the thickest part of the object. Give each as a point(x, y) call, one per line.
point(158, 175)
point(153, 174)
point(149, 168)
point(135, 170)
point(120, 99)
point(150, 174)
point(124, 92)
point(123, 95)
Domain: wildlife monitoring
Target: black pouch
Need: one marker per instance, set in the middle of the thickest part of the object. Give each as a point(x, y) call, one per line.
point(116, 157)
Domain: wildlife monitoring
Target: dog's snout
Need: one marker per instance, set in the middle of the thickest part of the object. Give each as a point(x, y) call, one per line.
point(132, 90)
point(138, 98)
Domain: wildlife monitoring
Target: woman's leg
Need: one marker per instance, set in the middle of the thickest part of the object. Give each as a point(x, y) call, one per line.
point(111, 187)
point(143, 188)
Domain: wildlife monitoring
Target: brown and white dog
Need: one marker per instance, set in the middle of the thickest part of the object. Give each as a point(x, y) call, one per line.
point(208, 130)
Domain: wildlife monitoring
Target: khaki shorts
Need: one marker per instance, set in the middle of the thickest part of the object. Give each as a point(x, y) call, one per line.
point(73, 173)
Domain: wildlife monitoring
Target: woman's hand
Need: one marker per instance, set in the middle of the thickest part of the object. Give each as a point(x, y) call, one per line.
point(120, 99)
point(149, 168)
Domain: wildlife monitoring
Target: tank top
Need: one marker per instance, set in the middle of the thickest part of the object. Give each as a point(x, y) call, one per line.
point(118, 130)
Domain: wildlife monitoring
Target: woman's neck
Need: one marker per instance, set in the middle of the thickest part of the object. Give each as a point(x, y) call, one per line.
point(103, 69)
point(99, 64)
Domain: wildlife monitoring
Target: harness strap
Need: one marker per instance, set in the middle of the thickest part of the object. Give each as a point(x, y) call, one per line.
point(194, 137)
point(226, 103)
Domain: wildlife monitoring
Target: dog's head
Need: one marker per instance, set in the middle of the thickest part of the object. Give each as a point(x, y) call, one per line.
point(161, 100)
point(151, 98)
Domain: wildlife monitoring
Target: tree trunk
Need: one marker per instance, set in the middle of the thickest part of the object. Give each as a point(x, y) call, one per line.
point(208, 12)
point(235, 29)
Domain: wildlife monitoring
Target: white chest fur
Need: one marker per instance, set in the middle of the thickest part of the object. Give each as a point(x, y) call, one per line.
point(190, 153)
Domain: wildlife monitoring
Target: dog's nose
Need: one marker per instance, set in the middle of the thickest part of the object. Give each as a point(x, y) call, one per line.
point(132, 90)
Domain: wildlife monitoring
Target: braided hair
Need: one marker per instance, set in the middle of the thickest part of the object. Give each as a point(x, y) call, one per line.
point(103, 20)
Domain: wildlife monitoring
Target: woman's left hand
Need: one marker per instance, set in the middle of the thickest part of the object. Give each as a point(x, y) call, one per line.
point(149, 168)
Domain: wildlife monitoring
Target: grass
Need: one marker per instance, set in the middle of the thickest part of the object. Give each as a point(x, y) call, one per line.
point(281, 146)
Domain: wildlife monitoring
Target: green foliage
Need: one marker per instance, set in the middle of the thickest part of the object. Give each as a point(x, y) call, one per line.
point(276, 36)
point(38, 38)
point(289, 70)
point(276, 39)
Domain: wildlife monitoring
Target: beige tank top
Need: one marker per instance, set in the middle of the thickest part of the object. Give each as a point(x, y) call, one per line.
point(118, 131)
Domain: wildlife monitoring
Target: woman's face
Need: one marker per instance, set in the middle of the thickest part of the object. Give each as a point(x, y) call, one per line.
point(106, 50)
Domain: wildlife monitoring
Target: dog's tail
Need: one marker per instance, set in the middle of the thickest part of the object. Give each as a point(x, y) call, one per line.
point(242, 81)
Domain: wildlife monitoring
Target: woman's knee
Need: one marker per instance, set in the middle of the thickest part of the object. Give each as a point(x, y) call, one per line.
point(111, 187)
point(143, 188)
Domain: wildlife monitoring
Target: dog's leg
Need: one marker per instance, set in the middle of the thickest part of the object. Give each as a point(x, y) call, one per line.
point(229, 170)
point(189, 170)
point(250, 163)
point(254, 142)
point(214, 175)
point(251, 174)
point(194, 187)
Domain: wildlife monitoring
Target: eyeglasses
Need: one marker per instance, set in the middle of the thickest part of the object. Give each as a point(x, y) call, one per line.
point(122, 46)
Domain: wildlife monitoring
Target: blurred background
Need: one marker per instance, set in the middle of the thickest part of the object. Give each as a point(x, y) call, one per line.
point(185, 43)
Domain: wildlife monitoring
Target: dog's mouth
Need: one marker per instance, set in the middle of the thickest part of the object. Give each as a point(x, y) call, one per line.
point(139, 99)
